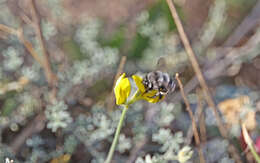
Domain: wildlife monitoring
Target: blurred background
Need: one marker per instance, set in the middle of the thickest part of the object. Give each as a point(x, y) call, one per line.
point(59, 60)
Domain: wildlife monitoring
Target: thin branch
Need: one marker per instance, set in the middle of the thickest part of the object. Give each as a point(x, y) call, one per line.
point(250, 22)
point(30, 48)
point(198, 115)
point(249, 142)
point(35, 126)
point(49, 74)
point(14, 86)
point(193, 121)
point(200, 77)
point(202, 125)
point(8, 30)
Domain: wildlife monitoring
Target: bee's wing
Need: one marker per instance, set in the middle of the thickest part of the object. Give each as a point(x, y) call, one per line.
point(162, 64)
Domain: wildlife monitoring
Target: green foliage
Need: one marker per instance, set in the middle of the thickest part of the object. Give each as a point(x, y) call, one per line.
point(166, 114)
point(124, 143)
point(57, 116)
point(70, 144)
point(9, 106)
point(138, 46)
point(32, 72)
point(162, 9)
point(48, 29)
point(12, 59)
point(170, 148)
point(6, 153)
point(116, 40)
point(73, 50)
point(165, 137)
point(157, 20)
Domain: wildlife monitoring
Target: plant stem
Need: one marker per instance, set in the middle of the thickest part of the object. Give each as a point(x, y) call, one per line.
point(252, 149)
point(250, 143)
point(118, 129)
point(134, 98)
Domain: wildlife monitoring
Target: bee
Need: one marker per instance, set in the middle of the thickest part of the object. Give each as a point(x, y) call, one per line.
point(160, 81)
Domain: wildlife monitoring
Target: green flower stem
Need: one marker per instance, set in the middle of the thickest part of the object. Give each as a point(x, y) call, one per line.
point(135, 97)
point(250, 143)
point(115, 140)
point(252, 149)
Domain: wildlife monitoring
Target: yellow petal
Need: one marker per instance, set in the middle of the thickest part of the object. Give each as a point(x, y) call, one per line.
point(138, 81)
point(150, 96)
point(122, 89)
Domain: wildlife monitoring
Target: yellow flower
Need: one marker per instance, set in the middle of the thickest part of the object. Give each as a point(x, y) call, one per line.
point(122, 89)
point(138, 82)
point(148, 96)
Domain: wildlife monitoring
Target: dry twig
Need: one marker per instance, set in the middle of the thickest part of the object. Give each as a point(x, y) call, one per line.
point(202, 125)
point(193, 121)
point(200, 77)
point(14, 86)
point(51, 78)
point(34, 126)
point(198, 116)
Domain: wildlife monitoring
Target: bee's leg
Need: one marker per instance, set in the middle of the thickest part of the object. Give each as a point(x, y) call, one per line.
point(160, 96)
point(146, 91)
point(157, 94)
